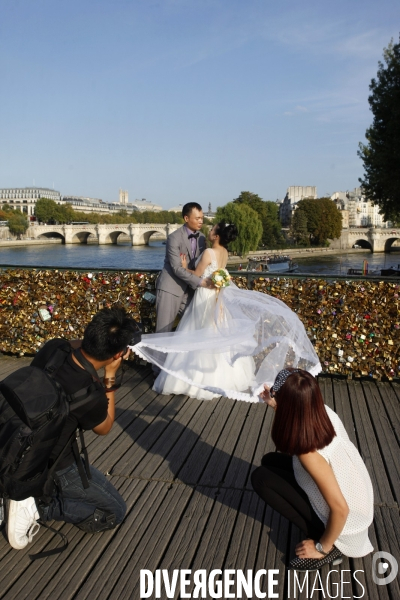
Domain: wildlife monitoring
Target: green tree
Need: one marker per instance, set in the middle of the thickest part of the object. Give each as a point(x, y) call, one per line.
point(46, 210)
point(299, 228)
point(64, 213)
point(248, 223)
point(324, 220)
point(268, 214)
point(381, 154)
point(17, 224)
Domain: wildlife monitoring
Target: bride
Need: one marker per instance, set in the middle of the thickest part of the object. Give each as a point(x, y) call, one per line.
point(229, 341)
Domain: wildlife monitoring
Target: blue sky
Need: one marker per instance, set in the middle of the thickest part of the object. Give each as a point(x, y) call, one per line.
point(187, 100)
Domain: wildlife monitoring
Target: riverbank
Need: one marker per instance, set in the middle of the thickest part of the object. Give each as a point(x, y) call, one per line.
point(16, 243)
point(294, 253)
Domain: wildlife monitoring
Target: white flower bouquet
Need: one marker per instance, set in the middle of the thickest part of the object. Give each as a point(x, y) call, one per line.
point(221, 278)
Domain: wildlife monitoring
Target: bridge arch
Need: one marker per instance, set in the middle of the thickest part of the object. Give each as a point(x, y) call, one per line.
point(81, 237)
point(51, 234)
point(389, 243)
point(363, 243)
point(147, 235)
point(112, 236)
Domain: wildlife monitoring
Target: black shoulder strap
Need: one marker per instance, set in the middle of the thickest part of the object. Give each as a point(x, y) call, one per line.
point(87, 365)
point(58, 359)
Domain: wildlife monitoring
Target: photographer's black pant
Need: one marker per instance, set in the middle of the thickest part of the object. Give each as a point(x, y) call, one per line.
point(73, 503)
point(275, 483)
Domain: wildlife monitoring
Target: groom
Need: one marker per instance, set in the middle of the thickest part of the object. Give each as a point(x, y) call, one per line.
point(175, 286)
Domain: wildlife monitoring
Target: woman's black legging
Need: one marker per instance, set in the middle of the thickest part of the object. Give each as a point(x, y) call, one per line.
point(275, 483)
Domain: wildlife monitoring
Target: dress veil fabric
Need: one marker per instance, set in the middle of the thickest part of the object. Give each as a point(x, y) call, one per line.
point(228, 343)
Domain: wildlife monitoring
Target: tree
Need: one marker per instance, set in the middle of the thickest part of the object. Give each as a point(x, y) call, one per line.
point(324, 220)
point(17, 224)
point(64, 213)
point(381, 154)
point(299, 228)
point(269, 216)
point(46, 210)
point(248, 223)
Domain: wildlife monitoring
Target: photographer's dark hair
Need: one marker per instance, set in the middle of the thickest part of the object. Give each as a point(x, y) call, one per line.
point(227, 233)
point(109, 332)
point(301, 423)
point(187, 209)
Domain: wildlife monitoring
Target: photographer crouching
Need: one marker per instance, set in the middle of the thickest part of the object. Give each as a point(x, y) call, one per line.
point(73, 491)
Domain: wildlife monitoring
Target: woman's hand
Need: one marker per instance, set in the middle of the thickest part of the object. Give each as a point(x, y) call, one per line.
point(307, 549)
point(183, 260)
point(265, 397)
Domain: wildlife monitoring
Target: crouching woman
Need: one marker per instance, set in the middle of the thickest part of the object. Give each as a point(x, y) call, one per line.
point(317, 479)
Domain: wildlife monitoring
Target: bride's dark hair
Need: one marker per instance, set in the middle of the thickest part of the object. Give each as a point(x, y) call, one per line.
point(227, 233)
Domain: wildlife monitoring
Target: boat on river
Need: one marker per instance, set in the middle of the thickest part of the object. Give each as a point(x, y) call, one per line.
point(276, 263)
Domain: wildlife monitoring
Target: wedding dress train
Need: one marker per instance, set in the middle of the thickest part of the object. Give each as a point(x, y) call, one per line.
point(228, 343)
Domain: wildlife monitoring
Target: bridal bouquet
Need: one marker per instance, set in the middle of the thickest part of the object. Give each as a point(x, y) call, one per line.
point(221, 278)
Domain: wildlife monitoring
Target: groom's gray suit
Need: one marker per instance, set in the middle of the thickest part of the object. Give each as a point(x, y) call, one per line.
point(175, 286)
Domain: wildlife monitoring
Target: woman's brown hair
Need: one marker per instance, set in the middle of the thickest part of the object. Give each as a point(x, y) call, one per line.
point(301, 423)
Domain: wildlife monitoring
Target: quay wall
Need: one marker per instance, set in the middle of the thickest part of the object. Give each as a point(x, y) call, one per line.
point(354, 324)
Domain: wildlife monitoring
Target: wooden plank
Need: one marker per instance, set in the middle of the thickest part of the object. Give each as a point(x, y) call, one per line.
point(242, 551)
point(368, 445)
point(133, 387)
point(386, 522)
point(326, 385)
point(89, 579)
point(385, 436)
point(203, 417)
point(30, 579)
point(9, 367)
point(150, 555)
point(165, 441)
point(221, 454)
point(198, 458)
point(343, 407)
point(187, 537)
point(135, 424)
point(242, 457)
point(372, 591)
point(141, 399)
point(391, 403)
point(122, 555)
point(298, 586)
point(264, 442)
point(277, 549)
point(139, 438)
point(215, 541)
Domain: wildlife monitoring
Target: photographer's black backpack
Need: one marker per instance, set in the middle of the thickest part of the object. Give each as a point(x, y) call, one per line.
point(33, 411)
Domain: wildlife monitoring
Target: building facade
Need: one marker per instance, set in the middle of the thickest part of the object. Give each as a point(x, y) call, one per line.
point(294, 194)
point(123, 197)
point(24, 199)
point(87, 205)
point(361, 211)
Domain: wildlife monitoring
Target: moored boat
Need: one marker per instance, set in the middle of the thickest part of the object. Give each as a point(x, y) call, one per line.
point(276, 263)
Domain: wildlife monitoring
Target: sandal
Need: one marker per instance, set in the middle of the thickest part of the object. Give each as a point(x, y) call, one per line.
point(335, 557)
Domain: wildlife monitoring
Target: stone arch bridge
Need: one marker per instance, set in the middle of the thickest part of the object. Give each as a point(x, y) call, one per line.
point(374, 239)
point(139, 233)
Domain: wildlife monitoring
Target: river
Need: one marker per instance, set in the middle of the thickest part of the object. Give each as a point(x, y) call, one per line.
point(124, 256)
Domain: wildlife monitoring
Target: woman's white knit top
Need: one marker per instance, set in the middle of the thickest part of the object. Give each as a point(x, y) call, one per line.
point(355, 484)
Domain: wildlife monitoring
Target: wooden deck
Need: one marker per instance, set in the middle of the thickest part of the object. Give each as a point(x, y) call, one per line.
point(183, 467)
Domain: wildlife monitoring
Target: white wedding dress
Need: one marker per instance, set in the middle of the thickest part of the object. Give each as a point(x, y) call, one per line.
point(228, 343)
